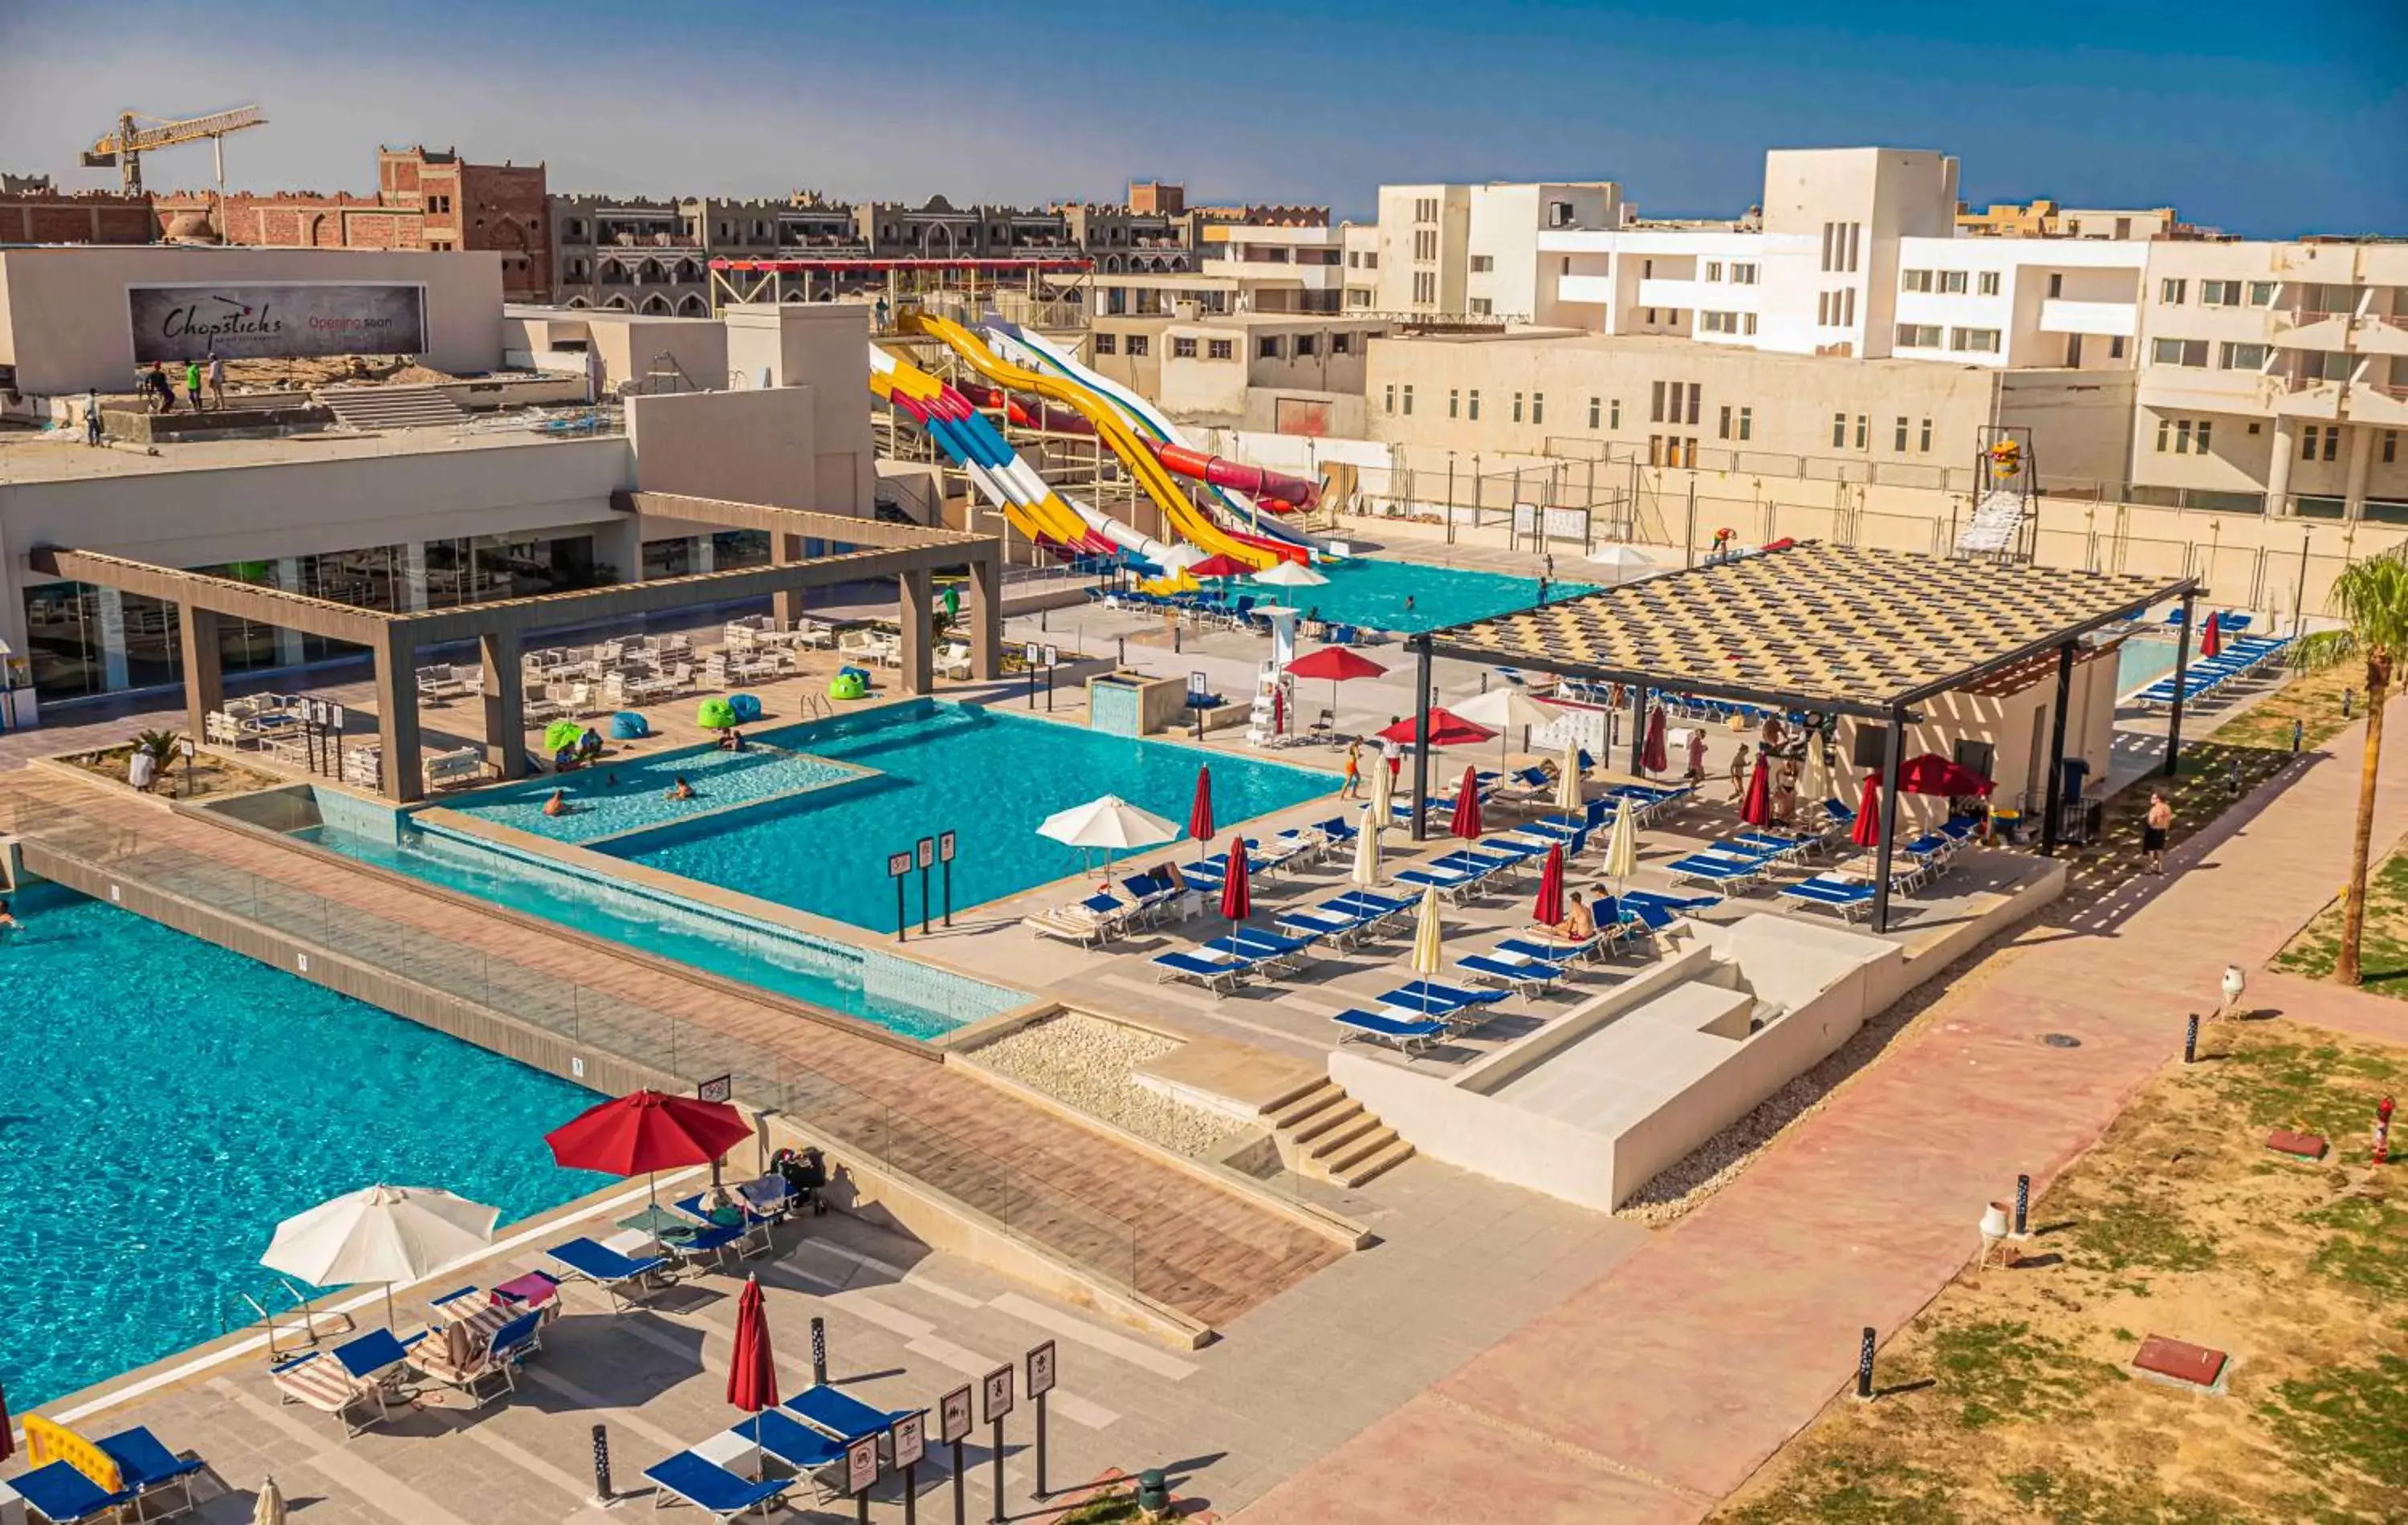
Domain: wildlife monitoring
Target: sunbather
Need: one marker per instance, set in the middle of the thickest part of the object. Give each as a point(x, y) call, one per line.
point(1579, 924)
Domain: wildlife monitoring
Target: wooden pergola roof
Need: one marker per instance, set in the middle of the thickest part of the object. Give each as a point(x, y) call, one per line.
point(1818, 626)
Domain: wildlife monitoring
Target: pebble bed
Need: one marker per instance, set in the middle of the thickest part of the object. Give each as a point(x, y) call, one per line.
point(1087, 1062)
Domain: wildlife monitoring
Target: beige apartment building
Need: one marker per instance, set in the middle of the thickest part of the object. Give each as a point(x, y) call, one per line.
point(1287, 373)
point(1472, 251)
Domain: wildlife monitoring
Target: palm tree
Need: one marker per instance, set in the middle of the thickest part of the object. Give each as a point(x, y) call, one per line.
point(2372, 598)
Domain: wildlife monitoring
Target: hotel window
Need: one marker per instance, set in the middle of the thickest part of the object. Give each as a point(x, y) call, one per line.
point(1567, 267)
point(1747, 323)
point(1989, 284)
point(2055, 284)
point(1341, 344)
point(1713, 269)
point(1923, 445)
point(1106, 343)
point(1483, 263)
point(1595, 410)
point(1409, 400)
point(2219, 293)
point(1981, 340)
point(1695, 392)
point(1900, 445)
point(1138, 344)
point(2390, 446)
point(1647, 269)
point(1864, 431)
point(1725, 431)
point(1915, 279)
point(1918, 336)
point(1655, 402)
point(1517, 408)
point(1838, 431)
point(1307, 344)
point(1848, 319)
point(1744, 275)
point(2171, 289)
point(1183, 349)
point(1747, 424)
point(1425, 286)
point(1953, 282)
point(1538, 408)
point(2331, 436)
point(1471, 405)
point(1389, 397)
point(1651, 317)
point(1353, 259)
point(1482, 307)
point(1221, 349)
point(1426, 209)
point(2261, 293)
point(1268, 348)
point(2116, 347)
point(2178, 352)
point(1454, 402)
point(2244, 356)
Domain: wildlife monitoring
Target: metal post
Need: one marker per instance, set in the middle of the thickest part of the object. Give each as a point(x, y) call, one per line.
point(1421, 740)
point(1041, 1488)
point(1000, 1518)
point(2023, 1205)
point(1638, 726)
point(961, 1506)
point(1893, 742)
point(2181, 674)
point(902, 916)
point(1689, 529)
point(912, 1494)
point(819, 1352)
point(2054, 794)
point(949, 891)
point(602, 1464)
point(2299, 598)
point(923, 900)
point(1865, 1367)
point(2190, 1040)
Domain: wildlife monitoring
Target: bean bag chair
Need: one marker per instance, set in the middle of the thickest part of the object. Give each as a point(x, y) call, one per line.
point(847, 685)
point(714, 714)
point(561, 735)
point(747, 707)
point(628, 725)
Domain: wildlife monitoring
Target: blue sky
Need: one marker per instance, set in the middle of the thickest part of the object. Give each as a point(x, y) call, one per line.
point(2269, 122)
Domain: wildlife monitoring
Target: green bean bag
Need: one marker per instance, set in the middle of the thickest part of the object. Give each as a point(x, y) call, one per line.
point(716, 714)
point(847, 685)
point(562, 733)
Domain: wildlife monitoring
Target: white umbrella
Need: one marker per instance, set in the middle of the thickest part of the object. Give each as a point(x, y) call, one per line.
point(380, 1234)
point(1383, 792)
point(1108, 823)
point(1288, 574)
point(1504, 710)
point(1568, 777)
point(268, 1508)
point(1427, 932)
point(1367, 849)
point(1622, 848)
point(1623, 561)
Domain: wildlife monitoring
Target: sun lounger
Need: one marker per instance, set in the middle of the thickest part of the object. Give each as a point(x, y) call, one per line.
point(1339, 928)
point(1217, 974)
point(713, 1488)
point(1675, 903)
point(1645, 917)
point(1380, 908)
point(1556, 950)
point(1282, 948)
point(787, 1440)
point(1403, 1032)
point(318, 1381)
point(1518, 849)
point(1712, 868)
point(63, 1496)
point(1070, 924)
point(1454, 884)
point(1522, 975)
point(754, 1231)
point(1472, 861)
point(835, 1412)
point(623, 1279)
point(145, 1467)
point(1432, 999)
point(1339, 830)
point(1850, 898)
point(489, 1357)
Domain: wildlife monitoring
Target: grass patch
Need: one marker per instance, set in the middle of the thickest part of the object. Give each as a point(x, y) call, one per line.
point(1845, 1486)
point(2383, 951)
point(2312, 699)
point(2130, 1233)
point(2350, 1424)
point(1999, 1370)
point(1107, 1511)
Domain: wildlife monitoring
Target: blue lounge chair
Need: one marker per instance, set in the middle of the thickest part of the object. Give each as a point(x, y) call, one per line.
point(1432, 999)
point(1381, 907)
point(1339, 928)
point(374, 1356)
point(1553, 950)
point(63, 1496)
point(1217, 975)
point(711, 1487)
point(1710, 868)
point(753, 1235)
point(1669, 902)
point(1518, 849)
point(1266, 953)
point(144, 1466)
point(835, 1412)
point(797, 1445)
point(1472, 861)
point(1408, 1034)
point(1521, 974)
point(622, 1278)
point(1848, 898)
point(1454, 884)
point(1339, 830)
point(1645, 916)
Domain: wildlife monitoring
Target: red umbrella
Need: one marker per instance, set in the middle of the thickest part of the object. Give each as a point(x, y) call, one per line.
point(1237, 895)
point(1466, 806)
point(1756, 809)
point(1337, 664)
point(645, 1131)
point(1865, 832)
point(1932, 774)
point(1200, 815)
point(2211, 636)
point(1447, 730)
point(1651, 757)
point(751, 1374)
point(1217, 566)
point(1549, 909)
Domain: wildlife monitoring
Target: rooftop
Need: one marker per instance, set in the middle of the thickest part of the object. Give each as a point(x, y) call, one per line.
point(59, 455)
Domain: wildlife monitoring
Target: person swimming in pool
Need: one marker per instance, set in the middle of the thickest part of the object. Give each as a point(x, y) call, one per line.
point(8, 919)
point(558, 804)
point(680, 790)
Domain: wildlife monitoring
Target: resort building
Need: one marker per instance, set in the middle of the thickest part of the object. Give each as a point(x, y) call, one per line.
point(1277, 371)
point(1475, 251)
point(2046, 219)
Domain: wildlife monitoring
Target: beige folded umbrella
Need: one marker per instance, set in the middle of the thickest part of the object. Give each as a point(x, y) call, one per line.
point(1568, 777)
point(268, 1508)
point(1367, 850)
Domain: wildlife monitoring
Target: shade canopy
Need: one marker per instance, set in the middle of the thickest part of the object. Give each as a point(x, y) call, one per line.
point(1108, 822)
point(1336, 663)
point(1507, 707)
point(1932, 774)
point(379, 1233)
point(1288, 574)
point(645, 1131)
point(1447, 730)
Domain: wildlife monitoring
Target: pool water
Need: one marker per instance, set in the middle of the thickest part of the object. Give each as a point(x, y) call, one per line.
point(2141, 661)
point(164, 1103)
point(1371, 591)
point(631, 796)
point(989, 776)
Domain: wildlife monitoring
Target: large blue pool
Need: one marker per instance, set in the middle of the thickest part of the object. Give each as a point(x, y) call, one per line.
point(1371, 591)
point(164, 1103)
point(985, 774)
point(2141, 661)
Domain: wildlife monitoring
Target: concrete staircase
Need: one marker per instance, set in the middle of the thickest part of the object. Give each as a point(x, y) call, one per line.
point(369, 408)
point(1325, 1132)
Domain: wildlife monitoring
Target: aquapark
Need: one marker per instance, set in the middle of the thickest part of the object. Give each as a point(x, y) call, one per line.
point(1031, 383)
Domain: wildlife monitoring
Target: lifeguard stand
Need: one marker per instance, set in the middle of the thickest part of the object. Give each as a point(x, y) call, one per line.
point(2004, 525)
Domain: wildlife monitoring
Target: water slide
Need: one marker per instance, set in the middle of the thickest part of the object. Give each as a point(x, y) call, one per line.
point(1151, 424)
point(1272, 490)
point(1028, 502)
point(1184, 518)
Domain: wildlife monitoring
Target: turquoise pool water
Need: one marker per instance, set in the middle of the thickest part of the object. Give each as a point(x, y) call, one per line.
point(986, 775)
point(164, 1103)
point(1371, 591)
point(2141, 661)
point(906, 997)
point(629, 797)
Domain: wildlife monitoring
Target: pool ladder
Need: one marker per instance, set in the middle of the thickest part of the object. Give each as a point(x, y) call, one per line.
point(303, 1333)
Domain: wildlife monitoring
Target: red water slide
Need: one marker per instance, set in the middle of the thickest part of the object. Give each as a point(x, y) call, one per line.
point(1273, 489)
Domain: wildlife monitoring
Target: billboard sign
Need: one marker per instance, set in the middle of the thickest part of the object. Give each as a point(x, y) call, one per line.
point(276, 321)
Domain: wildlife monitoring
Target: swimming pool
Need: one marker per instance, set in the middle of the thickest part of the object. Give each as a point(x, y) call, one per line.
point(985, 774)
point(164, 1102)
point(1371, 591)
point(632, 796)
point(2141, 661)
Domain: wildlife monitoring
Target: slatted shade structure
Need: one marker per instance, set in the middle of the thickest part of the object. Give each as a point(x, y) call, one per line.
point(1831, 628)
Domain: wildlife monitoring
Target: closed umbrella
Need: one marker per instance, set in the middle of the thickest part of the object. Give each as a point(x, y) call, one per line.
point(1756, 809)
point(1383, 791)
point(1650, 759)
point(1429, 934)
point(1567, 778)
point(1549, 909)
point(1622, 848)
point(645, 1132)
point(1865, 832)
point(1367, 846)
point(751, 1373)
point(2211, 636)
point(380, 1234)
point(1466, 806)
point(1237, 894)
point(1200, 815)
point(268, 1507)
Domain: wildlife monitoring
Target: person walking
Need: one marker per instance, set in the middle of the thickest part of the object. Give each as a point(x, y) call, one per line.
point(1392, 752)
point(1738, 771)
point(1354, 785)
point(2153, 827)
point(92, 434)
point(193, 382)
point(163, 391)
point(217, 382)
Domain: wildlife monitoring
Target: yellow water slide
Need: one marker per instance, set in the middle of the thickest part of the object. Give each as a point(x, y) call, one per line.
point(1049, 520)
point(1184, 518)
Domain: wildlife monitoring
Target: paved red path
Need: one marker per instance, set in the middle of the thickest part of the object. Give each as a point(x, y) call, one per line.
point(1660, 1387)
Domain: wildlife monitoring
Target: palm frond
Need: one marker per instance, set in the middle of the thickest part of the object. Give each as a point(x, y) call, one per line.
point(2324, 649)
point(2372, 598)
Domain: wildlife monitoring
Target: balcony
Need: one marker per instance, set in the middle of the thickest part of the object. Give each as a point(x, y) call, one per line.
point(2113, 320)
point(1679, 294)
point(1597, 289)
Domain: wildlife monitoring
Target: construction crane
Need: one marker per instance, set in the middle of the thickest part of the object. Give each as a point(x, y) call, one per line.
point(125, 147)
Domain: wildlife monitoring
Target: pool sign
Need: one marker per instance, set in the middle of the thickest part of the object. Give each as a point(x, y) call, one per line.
point(997, 1394)
point(911, 1439)
point(897, 865)
point(1041, 1370)
point(1198, 687)
point(1032, 655)
point(944, 848)
point(1053, 656)
point(927, 851)
point(721, 1089)
point(954, 1415)
point(861, 1465)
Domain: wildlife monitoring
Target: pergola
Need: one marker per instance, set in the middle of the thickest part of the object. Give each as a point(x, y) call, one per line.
point(855, 549)
point(1835, 629)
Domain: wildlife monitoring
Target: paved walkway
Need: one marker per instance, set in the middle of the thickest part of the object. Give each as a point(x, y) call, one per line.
point(1207, 1252)
point(1660, 1387)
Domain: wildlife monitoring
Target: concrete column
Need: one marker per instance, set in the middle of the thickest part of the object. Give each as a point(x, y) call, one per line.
point(1893, 745)
point(918, 604)
point(396, 690)
point(289, 652)
point(204, 674)
point(2053, 794)
point(786, 605)
point(619, 544)
point(2278, 470)
point(985, 611)
point(706, 554)
point(505, 702)
point(2182, 677)
point(413, 576)
point(2362, 462)
point(112, 605)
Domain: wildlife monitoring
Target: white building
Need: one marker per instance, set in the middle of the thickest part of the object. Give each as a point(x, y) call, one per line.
point(1475, 250)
